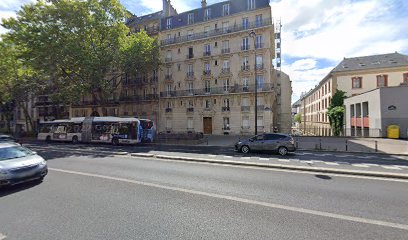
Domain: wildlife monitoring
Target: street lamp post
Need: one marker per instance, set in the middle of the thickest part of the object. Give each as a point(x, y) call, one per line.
point(252, 34)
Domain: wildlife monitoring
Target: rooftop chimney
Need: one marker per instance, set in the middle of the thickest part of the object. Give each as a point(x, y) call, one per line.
point(203, 3)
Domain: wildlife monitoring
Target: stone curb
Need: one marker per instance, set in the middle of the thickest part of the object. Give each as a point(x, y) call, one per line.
point(352, 152)
point(287, 167)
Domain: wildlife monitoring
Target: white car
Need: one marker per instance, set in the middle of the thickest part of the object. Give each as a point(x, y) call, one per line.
point(19, 164)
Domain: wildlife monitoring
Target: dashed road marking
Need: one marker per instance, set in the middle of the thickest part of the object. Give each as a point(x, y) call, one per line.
point(245, 158)
point(364, 157)
point(391, 167)
point(400, 166)
point(372, 164)
point(387, 158)
point(243, 200)
point(284, 160)
point(360, 165)
point(264, 159)
point(212, 155)
point(332, 163)
point(344, 163)
point(307, 162)
point(2, 236)
point(228, 156)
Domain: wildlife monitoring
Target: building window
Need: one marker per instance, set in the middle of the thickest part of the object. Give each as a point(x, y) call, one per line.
point(251, 4)
point(260, 81)
point(190, 18)
point(260, 122)
point(190, 88)
point(226, 66)
point(245, 44)
point(245, 122)
point(225, 9)
point(259, 62)
point(207, 87)
point(190, 122)
point(190, 34)
point(225, 27)
point(258, 43)
point(245, 23)
point(226, 85)
point(226, 123)
point(357, 82)
point(206, 30)
point(405, 78)
point(258, 20)
point(190, 69)
point(382, 80)
point(207, 103)
point(207, 14)
point(207, 50)
point(168, 23)
point(168, 123)
point(245, 102)
point(245, 82)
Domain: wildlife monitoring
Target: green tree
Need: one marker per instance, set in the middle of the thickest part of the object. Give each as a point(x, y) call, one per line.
point(81, 47)
point(336, 112)
point(298, 118)
point(18, 83)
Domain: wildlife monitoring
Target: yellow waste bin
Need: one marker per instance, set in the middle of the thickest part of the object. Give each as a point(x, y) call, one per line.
point(393, 131)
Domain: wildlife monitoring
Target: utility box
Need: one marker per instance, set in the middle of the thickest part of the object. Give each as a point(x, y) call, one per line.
point(393, 131)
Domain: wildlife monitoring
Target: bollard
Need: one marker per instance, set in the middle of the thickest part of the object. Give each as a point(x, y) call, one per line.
point(346, 145)
point(376, 146)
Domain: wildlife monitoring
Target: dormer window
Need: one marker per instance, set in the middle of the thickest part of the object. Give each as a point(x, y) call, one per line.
point(190, 18)
point(207, 14)
point(225, 9)
point(168, 23)
point(251, 4)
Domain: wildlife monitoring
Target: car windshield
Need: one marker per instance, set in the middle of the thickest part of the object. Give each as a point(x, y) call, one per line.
point(14, 152)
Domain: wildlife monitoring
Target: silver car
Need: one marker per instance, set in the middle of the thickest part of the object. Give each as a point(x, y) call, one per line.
point(19, 164)
point(278, 142)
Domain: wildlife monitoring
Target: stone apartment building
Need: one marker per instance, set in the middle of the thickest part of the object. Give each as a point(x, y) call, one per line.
point(353, 76)
point(207, 80)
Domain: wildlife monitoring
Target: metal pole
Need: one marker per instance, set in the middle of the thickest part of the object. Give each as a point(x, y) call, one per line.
point(252, 34)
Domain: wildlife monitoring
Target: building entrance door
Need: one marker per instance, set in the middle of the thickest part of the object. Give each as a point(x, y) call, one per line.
point(207, 121)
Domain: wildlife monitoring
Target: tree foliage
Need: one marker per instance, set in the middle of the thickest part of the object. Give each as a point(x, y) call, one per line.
point(81, 47)
point(298, 118)
point(336, 112)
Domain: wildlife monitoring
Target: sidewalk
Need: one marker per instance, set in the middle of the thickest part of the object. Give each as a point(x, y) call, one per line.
point(333, 144)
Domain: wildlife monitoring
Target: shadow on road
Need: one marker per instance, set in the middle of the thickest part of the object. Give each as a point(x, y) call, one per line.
point(5, 191)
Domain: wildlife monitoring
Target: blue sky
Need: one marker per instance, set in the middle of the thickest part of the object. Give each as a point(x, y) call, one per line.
point(317, 34)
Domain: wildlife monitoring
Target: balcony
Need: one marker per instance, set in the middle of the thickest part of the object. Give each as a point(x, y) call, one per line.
point(225, 109)
point(259, 66)
point(168, 77)
point(206, 54)
point(207, 72)
point(225, 50)
point(245, 68)
point(217, 32)
point(225, 70)
point(218, 90)
point(245, 48)
point(190, 110)
point(169, 110)
point(190, 74)
point(260, 108)
point(245, 108)
point(259, 45)
point(168, 59)
point(189, 56)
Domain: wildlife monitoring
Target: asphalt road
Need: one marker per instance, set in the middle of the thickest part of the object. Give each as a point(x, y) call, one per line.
point(103, 196)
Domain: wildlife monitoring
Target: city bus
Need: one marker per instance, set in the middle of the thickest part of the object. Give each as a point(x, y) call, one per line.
point(114, 130)
point(61, 130)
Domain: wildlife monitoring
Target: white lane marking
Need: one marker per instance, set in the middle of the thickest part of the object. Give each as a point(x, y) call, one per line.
point(387, 158)
point(400, 166)
point(364, 157)
point(264, 159)
point(243, 200)
point(391, 167)
point(283, 160)
point(212, 155)
point(360, 165)
point(307, 162)
point(228, 156)
point(332, 163)
point(372, 164)
point(245, 158)
point(344, 163)
point(2, 236)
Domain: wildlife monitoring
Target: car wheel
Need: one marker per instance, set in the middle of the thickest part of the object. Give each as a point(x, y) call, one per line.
point(115, 142)
point(282, 151)
point(245, 149)
point(48, 139)
point(74, 139)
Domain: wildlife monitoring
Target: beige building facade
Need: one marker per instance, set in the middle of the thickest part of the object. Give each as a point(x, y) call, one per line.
point(353, 76)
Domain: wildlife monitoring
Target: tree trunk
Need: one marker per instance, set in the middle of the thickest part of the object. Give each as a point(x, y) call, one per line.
point(28, 119)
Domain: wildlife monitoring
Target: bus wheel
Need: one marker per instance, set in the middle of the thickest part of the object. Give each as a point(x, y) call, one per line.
point(48, 139)
point(115, 142)
point(74, 139)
